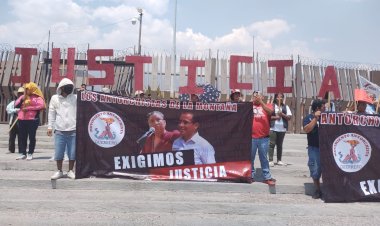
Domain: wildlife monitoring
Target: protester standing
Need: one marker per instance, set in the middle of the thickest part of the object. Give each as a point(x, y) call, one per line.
point(13, 131)
point(62, 119)
point(310, 126)
point(260, 136)
point(236, 96)
point(30, 104)
point(279, 125)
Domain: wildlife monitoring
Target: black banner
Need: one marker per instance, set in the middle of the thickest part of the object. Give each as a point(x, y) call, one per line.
point(115, 137)
point(350, 156)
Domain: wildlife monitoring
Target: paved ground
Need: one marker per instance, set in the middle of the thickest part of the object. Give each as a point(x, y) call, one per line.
point(27, 197)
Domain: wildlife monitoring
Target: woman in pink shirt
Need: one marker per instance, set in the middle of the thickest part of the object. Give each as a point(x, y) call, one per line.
point(30, 105)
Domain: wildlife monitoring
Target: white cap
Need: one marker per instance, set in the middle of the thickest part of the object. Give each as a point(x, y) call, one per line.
point(138, 92)
point(106, 90)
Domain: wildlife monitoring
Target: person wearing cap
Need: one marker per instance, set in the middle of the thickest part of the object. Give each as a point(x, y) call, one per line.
point(260, 136)
point(62, 119)
point(139, 94)
point(235, 95)
point(13, 131)
point(30, 104)
point(106, 90)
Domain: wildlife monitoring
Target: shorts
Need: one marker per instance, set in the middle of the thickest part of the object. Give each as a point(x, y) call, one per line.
point(64, 140)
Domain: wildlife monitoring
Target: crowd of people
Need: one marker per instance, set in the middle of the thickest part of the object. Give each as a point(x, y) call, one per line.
point(269, 127)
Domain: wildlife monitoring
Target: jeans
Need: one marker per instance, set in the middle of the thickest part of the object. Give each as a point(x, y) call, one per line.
point(261, 144)
point(27, 128)
point(314, 162)
point(276, 139)
point(64, 141)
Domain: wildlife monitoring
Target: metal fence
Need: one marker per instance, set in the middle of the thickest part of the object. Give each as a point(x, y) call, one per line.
point(305, 76)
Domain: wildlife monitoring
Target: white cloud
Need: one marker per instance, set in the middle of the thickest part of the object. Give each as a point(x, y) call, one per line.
point(109, 27)
point(269, 29)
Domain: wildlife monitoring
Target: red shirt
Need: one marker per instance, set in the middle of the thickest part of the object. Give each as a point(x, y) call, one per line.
point(165, 144)
point(261, 121)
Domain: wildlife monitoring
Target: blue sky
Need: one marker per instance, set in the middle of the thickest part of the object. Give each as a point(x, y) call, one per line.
point(341, 30)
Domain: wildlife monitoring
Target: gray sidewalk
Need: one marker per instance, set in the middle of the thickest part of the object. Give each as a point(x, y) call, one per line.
point(27, 197)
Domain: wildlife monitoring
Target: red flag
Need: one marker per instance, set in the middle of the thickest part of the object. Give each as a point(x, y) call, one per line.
point(361, 95)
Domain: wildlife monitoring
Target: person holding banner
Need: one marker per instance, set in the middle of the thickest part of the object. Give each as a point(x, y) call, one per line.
point(62, 118)
point(260, 135)
point(160, 140)
point(13, 131)
point(236, 96)
point(310, 126)
point(30, 104)
point(188, 126)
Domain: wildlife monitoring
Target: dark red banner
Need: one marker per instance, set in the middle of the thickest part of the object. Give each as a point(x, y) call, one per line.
point(350, 156)
point(162, 139)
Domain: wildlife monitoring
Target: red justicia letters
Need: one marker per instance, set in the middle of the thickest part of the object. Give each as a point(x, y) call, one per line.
point(139, 61)
point(56, 58)
point(191, 87)
point(234, 60)
point(108, 68)
point(280, 76)
point(26, 56)
point(330, 75)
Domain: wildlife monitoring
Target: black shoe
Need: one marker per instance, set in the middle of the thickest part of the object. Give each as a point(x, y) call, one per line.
point(317, 194)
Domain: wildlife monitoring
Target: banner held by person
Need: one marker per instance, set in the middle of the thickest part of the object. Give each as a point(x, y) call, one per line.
point(350, 155)
point(163, 139)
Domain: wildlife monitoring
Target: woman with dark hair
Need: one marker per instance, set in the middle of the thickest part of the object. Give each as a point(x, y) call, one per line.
point(161, 140)
point(278, 127)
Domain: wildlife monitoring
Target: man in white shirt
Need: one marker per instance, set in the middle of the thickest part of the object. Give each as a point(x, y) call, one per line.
point(188, 126)
point(12, 112)
point(62, 118)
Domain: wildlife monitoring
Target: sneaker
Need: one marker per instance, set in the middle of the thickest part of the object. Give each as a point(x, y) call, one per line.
point(71, 174)
point(30, 157)
point(57, 175)
point(271, 164)
point(270, 182)
point(280, 163)
point(317, 194)
point(21, 157)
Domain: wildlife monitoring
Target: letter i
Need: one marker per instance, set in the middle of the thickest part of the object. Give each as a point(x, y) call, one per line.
point(170, 174)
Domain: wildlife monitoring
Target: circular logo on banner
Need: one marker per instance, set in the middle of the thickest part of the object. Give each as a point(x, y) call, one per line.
point(106, 129)
point(351, 152)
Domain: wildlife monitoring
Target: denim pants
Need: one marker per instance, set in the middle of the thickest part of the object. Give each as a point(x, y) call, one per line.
point(314, 162)
point(261, 144)
point(64, 141)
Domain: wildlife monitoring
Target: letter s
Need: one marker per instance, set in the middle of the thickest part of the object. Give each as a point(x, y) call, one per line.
point(179, 157)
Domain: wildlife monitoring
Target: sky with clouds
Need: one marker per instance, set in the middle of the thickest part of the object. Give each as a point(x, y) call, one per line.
point(341, 30)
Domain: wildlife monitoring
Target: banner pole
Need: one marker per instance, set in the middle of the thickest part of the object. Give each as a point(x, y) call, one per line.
point(14, 123)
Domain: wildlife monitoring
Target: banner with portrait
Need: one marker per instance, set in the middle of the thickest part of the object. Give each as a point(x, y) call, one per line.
point(350, 156)
point(162, 139)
